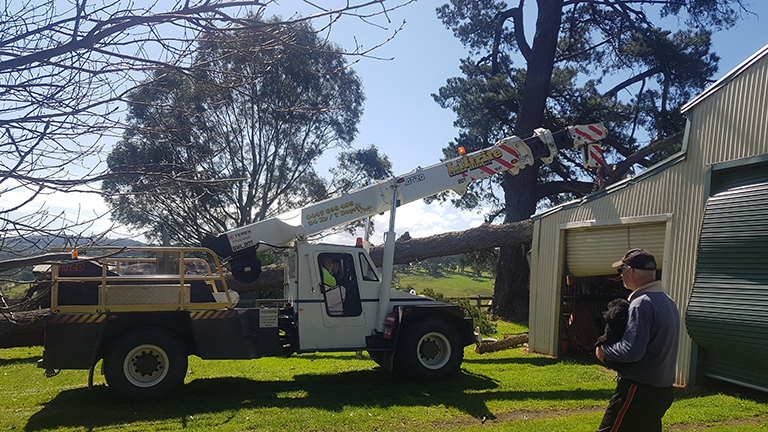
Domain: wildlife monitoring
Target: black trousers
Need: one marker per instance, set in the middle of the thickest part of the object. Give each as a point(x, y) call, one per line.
point(636, 407)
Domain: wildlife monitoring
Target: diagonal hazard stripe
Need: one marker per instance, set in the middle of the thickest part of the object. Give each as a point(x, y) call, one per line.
point(510, 151)
point(201, 315)
point(96, 318)
point(487, 170)
point(596, 130)
point(597, 155)
point(504, 163)
point(586, 135)
point(79, 319)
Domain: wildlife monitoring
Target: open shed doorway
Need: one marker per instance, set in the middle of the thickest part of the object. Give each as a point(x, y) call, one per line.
point(591, 282)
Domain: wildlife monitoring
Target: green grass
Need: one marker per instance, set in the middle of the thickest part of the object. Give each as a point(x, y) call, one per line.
point(14, 291)
point(509, 390)
point(452, 285)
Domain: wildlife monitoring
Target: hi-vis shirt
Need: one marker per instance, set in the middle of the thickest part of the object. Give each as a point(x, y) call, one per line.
point(328, 278)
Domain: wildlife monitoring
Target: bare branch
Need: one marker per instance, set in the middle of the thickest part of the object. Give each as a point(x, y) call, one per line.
point(66, 70)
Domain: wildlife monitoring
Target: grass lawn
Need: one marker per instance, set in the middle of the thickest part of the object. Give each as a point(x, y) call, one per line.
point(453, 284)
point(507, 390)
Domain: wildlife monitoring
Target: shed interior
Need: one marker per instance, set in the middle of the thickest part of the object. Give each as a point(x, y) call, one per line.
point(583, 302)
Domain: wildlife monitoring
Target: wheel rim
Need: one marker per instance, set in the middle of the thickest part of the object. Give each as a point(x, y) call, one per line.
point(146, 365)
point(434, 350)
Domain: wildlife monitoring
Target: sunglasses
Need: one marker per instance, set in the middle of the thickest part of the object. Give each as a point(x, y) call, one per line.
point(622, 269)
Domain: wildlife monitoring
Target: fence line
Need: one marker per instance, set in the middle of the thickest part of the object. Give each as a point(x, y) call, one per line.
point(478, 301)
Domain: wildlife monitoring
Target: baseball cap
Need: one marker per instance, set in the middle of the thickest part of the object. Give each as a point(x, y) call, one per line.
point(639, 259)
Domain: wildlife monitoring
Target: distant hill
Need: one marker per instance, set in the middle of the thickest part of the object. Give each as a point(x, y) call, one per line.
point(13, 247)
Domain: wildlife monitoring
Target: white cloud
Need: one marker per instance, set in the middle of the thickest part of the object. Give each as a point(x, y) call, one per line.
point(419, 220)
point(82, 211)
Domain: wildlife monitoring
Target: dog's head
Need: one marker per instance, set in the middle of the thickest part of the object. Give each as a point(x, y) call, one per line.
point(617, 309)
point(615, 322)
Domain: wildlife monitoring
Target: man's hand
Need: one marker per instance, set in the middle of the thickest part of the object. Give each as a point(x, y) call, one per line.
point(599, 354)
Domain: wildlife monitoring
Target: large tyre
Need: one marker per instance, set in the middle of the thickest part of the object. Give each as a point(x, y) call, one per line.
point(430, 349)
point(146, 363)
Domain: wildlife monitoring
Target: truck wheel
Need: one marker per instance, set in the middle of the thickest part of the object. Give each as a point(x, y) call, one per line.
point(429, 350)
point(146, 364)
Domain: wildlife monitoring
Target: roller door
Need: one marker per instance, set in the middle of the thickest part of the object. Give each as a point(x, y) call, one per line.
point(727, 313)
point(592, 250)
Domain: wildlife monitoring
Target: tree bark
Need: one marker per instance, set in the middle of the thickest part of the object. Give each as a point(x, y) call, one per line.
point(27, 330)
point(516, 235)
point(485, 236)
point(510, 296)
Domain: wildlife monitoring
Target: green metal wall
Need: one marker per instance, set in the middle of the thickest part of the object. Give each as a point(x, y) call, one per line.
point(727, 313)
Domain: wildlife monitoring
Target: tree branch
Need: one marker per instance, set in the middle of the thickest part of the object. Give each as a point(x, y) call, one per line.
point(517, 21)
point(637, 78)
point(622, 168)
point(579, 188)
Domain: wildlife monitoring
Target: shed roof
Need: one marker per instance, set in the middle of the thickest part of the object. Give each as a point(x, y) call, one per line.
point(762, 52)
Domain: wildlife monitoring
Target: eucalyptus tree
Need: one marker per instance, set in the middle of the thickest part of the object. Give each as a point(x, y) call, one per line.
point(237, 141)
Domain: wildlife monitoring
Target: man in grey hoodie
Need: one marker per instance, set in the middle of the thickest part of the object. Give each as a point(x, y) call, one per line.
point(644, 392)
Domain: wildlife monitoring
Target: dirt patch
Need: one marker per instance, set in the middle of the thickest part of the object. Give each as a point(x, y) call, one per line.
point(762, 419)
point(494, 420)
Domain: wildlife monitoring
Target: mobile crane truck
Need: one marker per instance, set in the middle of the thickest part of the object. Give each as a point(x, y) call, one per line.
point(144, 326)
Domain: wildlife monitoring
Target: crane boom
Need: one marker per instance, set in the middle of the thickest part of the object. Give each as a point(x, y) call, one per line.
point(508, 154)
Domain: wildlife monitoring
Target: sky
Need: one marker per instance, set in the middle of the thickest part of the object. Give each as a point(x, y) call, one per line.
point(402, 119)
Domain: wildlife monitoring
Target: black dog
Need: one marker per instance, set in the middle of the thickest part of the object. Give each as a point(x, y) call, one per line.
point(615, 324)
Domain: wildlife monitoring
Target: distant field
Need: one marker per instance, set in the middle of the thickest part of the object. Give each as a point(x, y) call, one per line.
point(452, 285)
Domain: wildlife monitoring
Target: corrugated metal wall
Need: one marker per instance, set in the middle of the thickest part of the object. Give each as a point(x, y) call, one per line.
point(728, 124)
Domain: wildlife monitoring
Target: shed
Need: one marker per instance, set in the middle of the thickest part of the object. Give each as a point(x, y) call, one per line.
point(710, 197)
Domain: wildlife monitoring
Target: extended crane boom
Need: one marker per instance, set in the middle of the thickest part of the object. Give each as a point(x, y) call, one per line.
point(508, 154)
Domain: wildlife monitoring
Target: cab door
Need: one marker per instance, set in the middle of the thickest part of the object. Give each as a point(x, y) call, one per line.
point(330, 316)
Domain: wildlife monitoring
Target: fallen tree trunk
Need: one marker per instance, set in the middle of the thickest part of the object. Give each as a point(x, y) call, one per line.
point(271, 278)
point(40, 259)
point(27, 328)
point(485, 236)
point(29, 331)
point(408, 250)
point(498, 345)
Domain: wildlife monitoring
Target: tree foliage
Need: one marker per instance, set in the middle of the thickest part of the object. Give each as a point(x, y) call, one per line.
point(66, 68)
point(482, 261)
point(588, 61)
point(208, 152)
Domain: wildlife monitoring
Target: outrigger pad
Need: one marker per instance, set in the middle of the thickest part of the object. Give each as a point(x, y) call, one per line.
point(246, 268)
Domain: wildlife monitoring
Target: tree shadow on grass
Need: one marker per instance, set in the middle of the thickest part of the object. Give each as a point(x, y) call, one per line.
point(23, 360)
point(710, 387)
point(466, 392)
point(532, 360)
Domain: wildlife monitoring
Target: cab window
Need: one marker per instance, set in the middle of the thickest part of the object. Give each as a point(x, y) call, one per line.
point(366, 269)
point(339, 284)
